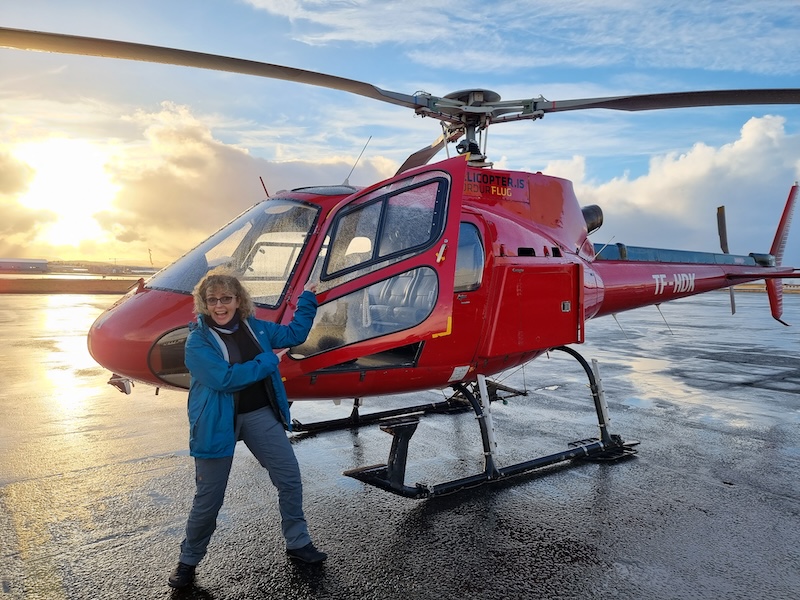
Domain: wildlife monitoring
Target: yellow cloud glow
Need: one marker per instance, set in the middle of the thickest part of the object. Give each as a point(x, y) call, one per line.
point(70, 181)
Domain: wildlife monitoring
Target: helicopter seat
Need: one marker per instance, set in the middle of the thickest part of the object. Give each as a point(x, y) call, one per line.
point(404, 301)
point(420, 300)
point(392, 295)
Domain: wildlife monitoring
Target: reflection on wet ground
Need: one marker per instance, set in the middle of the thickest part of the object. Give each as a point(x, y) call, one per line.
point(95, 485)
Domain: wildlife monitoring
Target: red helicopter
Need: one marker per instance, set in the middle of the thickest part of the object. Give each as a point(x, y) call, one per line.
point(439, 277)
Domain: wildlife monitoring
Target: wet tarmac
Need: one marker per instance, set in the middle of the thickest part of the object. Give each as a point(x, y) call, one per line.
point(95, 485)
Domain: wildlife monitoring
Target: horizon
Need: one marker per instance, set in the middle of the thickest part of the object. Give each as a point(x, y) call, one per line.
point(79, 262)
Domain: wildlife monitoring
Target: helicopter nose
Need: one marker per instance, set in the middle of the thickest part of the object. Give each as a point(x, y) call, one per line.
point(115, 342)
point(121, 338)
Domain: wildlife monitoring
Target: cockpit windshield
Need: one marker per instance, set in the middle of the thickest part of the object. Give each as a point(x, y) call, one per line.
point(261, 246)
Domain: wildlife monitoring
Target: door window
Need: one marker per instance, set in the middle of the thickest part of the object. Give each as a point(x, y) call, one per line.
point(382, 228)
point(391, 305)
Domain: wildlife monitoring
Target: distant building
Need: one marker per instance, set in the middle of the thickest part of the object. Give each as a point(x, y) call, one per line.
point(23, 265)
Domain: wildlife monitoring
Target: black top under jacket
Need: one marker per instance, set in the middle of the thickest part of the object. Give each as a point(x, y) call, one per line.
point(241, 348)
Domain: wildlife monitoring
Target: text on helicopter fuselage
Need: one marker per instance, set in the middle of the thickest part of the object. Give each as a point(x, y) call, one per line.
point(679, 283)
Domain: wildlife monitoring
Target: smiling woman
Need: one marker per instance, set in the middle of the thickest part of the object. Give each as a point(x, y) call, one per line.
point(71, 181)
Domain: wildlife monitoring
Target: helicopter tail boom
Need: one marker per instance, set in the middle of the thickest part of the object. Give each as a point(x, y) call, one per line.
point(634, 276)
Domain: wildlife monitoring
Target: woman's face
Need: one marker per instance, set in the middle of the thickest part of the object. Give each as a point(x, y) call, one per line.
point(222, 304)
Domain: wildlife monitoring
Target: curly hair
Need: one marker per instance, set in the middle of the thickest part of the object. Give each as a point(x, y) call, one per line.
point(221, 280)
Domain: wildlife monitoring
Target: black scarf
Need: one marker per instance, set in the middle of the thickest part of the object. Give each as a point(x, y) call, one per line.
point(230, 326)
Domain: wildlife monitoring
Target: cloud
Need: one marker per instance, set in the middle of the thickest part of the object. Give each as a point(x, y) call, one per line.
point(18, 226)
point(19, 223)
point(15, 175)
point(674, 204)
point(472, 35)
point(179, 182)
point(193, 183)
point(185, 184)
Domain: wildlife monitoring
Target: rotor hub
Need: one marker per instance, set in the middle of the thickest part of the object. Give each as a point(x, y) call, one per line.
point(474, 97)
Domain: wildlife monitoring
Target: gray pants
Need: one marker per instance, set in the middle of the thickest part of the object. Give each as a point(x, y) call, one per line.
point(267, 441)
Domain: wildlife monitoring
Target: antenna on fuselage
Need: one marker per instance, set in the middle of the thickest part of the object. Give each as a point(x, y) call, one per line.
point(658, 307)
point(596, 254)
point(347, 179)
point(620, 326)
point(263, 185)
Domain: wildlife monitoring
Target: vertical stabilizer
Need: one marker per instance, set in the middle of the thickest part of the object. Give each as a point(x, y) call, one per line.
point(775, 286)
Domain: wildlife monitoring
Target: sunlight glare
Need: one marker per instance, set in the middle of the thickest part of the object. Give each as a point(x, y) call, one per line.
point(69, 368)
point(71, 181)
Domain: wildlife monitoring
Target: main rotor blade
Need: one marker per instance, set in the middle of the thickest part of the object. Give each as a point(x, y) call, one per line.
point(676, 100)
point(22, 39)
point(453, 110)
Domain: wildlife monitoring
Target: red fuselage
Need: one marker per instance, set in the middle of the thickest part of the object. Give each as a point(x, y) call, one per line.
point(504, 260)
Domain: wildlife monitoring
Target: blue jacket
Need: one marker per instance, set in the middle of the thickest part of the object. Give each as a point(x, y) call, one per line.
point(214, 381)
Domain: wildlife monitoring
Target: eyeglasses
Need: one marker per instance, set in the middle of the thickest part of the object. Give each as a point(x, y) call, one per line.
point(224, 300)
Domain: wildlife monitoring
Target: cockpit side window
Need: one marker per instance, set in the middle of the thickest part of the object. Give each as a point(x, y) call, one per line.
point(469, 260)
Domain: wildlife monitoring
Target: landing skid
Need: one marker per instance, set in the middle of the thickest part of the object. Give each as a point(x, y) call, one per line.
point(391, 476)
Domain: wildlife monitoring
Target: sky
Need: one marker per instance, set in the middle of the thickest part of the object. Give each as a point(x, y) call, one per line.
point(113, 160)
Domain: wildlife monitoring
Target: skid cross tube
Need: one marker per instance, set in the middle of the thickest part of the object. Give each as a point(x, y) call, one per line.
point(357, 419)
point(452, 405)
point(391, 476)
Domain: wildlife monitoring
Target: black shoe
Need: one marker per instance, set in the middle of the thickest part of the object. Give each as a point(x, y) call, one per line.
point(307, 554)
point(181, 576)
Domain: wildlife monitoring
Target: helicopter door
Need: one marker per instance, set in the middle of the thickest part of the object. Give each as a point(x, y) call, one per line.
point(386, 268)
point(540, 307)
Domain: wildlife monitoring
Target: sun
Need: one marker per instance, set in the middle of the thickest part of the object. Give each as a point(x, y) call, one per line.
point(71, 180)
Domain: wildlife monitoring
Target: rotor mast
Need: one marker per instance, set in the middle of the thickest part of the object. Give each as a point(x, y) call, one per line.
point(474, 113)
